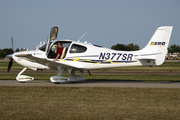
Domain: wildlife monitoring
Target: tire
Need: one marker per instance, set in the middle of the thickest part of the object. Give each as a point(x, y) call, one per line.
point(56, 82)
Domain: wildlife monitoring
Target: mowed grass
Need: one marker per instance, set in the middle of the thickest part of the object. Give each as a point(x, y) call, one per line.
point(92, 103)
point(166, 66)
point(15, 66)
point(159, 78)
point(46, 103)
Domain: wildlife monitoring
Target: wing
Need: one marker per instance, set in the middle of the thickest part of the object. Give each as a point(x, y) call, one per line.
point(49, 62)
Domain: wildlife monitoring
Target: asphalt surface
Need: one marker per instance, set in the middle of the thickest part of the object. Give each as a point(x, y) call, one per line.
point(122, 84)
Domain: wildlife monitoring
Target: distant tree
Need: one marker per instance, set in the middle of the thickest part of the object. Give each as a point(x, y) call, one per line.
point(8, 50)
point(118, 47)
point(174, 49)
point(132, 47)
point(129, 47)
point(17, 50)
point(2, 53)
point(5, 52)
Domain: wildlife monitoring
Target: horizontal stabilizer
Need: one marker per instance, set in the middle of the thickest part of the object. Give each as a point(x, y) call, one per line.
point(146, 58)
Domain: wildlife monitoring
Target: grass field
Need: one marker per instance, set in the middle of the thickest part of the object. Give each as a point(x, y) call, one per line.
point(166, 78)
point(15, 66)
point(44, 103)
point(88, 103)
point(166, 66)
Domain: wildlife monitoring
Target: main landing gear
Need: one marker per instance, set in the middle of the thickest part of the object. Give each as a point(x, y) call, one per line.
point(55, 79)
point(73, 78)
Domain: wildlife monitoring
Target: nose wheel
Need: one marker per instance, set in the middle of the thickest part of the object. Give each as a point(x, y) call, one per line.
point(23, 78)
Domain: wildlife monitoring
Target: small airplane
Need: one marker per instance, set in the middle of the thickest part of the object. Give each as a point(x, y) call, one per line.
point(80, 56)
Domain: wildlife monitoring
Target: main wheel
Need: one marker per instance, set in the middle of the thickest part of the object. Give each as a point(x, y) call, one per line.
point(74, 81)
point(56, 82)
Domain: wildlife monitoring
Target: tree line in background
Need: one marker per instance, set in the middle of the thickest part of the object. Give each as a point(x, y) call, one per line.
point(174, 49)
point(7, 51)
point(130, 47)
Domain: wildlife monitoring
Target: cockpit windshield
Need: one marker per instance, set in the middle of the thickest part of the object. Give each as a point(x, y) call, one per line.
point(43, 48)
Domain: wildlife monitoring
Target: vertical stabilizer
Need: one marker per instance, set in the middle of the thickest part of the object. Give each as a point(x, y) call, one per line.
point(157, 46)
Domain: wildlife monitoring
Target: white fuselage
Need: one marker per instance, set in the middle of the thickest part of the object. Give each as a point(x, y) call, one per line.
point(93, 58)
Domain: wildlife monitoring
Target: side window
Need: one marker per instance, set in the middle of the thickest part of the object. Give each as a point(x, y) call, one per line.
point(53, 51)
point(54, 47)
point(77, 49)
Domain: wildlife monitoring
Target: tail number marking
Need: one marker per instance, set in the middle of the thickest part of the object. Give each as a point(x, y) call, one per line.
point(115, 56)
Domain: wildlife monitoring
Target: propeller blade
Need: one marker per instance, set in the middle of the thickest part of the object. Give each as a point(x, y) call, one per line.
point(11, 61)
point(12, 44)
point(10, 64)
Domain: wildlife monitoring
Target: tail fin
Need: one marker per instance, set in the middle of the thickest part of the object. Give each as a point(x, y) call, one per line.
point(157, 46)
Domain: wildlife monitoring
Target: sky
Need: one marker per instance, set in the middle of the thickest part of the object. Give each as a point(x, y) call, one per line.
point(107, 22)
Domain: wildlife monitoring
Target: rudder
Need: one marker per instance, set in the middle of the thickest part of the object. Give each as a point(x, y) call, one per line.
point(158, 44)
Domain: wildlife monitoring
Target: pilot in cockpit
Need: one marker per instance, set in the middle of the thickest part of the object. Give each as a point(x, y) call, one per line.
point(59, 51)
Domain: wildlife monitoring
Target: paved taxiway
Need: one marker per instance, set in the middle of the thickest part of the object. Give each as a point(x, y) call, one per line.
point(123, 84)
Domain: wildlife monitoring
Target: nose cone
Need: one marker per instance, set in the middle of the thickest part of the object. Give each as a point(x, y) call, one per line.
point(9, 56)
point(14, 56)
point(17, 56)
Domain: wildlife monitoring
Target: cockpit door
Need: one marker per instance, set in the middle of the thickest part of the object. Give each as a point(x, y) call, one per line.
point(53, 36)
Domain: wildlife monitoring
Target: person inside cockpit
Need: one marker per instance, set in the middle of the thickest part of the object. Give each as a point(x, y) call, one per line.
point(59, 52)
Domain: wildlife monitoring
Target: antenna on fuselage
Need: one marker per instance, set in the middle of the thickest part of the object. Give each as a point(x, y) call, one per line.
point(82, 37)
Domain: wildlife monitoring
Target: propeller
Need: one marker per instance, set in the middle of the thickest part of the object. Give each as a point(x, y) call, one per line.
point(12, 44)
point(11, 61)
point(10, 64)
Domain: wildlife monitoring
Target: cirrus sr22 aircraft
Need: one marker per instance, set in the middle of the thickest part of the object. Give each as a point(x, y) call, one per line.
point(80, 56)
